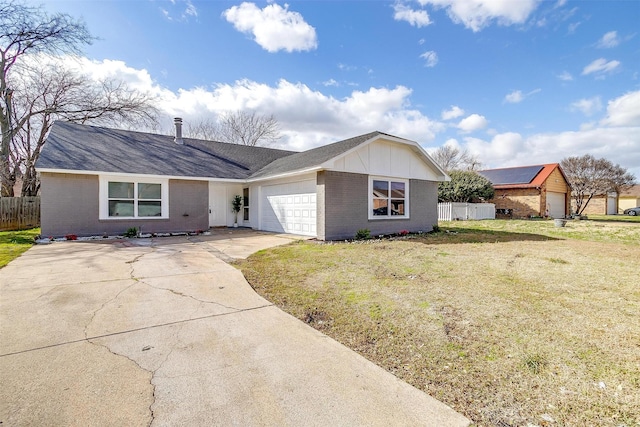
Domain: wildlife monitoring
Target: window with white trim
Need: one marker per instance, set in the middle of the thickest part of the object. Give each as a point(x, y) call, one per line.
point(245, 204)
point(389, 198)
point(129, 198)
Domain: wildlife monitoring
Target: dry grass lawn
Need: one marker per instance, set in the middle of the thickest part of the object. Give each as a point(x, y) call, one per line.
point(509, 322)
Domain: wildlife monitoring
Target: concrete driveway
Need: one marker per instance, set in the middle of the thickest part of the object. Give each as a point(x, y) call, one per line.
point(163, 332)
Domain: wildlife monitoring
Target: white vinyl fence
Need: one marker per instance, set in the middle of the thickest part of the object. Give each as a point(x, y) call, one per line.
point(462, 211)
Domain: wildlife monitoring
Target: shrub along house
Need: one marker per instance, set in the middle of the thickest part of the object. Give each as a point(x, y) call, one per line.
point(530, 191)
point(97, 181)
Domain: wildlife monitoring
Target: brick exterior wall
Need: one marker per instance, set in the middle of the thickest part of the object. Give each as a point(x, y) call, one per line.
point(522, 202)
point(70, 205)
point(597, 206)
point(342, 204)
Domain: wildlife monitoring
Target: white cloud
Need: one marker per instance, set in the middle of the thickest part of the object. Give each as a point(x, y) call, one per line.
point(472, 123)
point(587, 106)
point(477, 14)
point(453, 113)
point(565, 76)
point(608, 40)
point(331, 82)
point(571, 29)
point(499, 150)
point(600, 67)
point(307, 117)
point(517, 96)
point(274, 27)
point(624, 111)
point(618, 145)
point(181, 14)
point(417, 18)
point(431, 58)
point(514, 97)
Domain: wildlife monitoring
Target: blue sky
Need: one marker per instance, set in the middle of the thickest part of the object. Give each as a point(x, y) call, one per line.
point(516, 82)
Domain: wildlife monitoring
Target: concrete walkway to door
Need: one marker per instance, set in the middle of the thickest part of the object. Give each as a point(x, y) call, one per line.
point(163, 332)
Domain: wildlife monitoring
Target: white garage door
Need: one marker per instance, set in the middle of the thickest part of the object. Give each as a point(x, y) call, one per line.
point(289, 208)
point(556, 205)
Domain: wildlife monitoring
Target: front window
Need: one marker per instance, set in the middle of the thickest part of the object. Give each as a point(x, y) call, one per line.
point(133, 199)
point(388, 198)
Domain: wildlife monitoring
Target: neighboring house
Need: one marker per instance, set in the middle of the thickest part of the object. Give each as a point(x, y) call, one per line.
point(97, 181)
point(602, 204)
point(530, 191)
point(629, 198)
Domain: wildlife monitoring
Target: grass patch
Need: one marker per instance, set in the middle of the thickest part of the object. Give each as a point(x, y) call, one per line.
point(15, 243)
point(505, 321)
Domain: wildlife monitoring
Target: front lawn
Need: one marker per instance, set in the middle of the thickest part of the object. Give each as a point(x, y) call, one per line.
point(14, 243)
point(508, 322)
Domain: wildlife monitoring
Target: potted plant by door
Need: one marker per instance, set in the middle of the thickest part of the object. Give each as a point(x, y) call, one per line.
point(236, 207)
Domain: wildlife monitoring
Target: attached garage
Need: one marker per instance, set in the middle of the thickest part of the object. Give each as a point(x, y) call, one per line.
point(289, 208)
point(556, 204)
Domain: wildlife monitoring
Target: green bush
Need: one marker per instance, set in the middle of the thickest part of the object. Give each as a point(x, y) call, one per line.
point(131, 232)
point(363, 234)
point(465, 187)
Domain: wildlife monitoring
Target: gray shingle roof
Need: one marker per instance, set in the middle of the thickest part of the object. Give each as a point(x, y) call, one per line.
point(77, 147)
point(314, 157)
point(72, 146)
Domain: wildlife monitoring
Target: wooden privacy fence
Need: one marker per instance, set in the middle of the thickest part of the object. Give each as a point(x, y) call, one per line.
point(19, 213)
point(451, 211)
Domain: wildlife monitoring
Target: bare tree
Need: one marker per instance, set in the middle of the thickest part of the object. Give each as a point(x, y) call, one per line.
point(591, 177)
point(451, 158)
point(35, 93)
point(246, 128)
point(52, 92)
point(203, 129)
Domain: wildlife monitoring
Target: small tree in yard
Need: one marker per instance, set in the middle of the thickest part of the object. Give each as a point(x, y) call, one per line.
point(465, 187)
point(591, 177)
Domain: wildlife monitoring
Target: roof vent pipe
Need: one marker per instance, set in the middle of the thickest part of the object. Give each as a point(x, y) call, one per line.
point(178, 137)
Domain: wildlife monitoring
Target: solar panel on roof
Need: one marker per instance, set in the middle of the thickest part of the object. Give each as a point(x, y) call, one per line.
point(523, 175)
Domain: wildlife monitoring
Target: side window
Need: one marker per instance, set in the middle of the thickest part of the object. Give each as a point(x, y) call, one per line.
point(245, 200)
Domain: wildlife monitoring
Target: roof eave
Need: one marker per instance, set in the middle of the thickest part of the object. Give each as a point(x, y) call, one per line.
point(138, 175)
point(284, 174)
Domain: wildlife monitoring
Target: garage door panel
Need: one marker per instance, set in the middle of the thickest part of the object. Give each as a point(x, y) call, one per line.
point(556, 205)
point(289, 208)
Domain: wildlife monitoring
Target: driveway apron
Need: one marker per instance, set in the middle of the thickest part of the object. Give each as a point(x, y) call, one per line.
point(164, 332)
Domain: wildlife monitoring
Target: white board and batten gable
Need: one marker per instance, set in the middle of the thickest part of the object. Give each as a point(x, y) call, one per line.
point(391, 157)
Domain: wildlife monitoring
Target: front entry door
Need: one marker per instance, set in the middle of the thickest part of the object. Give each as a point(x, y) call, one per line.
point(217, 204)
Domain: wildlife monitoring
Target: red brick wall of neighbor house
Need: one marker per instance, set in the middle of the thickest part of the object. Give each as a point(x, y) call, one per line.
point(523, 202)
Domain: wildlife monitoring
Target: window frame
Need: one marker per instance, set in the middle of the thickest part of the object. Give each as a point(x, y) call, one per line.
point(389, 198)
point(104, 196)
point(245, 203)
